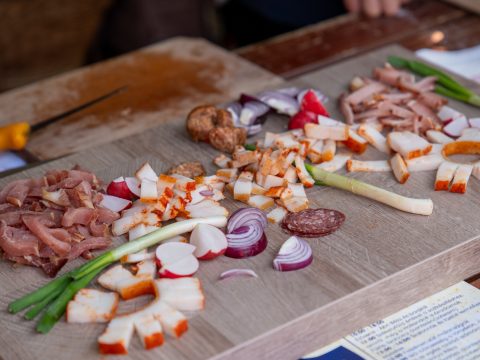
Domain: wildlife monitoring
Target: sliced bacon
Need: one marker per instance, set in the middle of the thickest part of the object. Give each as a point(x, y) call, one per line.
point(17, 242)
point(81, 195)
point(422, 110)
point(42, 232)
point(17, 194)
point(97, 229)
point(81, 216)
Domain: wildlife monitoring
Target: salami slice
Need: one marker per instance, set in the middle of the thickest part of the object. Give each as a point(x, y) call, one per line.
point(313, 222)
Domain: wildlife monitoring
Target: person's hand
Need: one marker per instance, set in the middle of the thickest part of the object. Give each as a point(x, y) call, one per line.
point(374, 8)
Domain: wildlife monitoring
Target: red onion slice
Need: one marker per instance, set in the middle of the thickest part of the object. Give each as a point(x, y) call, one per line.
point(242, 251)
point(251, 111)
point(289, 91)
point(207, 193)
point(234, 108)
point(280, 102)
point(294, 254)
point(246, 216)
point(238, 272)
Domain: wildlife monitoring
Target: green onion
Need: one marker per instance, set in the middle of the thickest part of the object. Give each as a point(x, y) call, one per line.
point(414, 206)
point(446, 85)
point(38, 295)
point(251, 147)
point(38, 307)
point(60, 291)
point(57, 308)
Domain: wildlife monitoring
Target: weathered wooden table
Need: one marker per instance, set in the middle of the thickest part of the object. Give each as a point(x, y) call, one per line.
point(421, 24)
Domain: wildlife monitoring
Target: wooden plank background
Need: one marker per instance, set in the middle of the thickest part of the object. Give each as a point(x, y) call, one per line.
point(164, 82)
point(380, 261)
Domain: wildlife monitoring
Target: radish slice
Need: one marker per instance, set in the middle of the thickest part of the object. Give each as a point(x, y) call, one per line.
point(294, 254)
point(475, 122)
point(209, 241)
point(456, 127)
point(185, 267)
point(238, 272)
point(114, 203)
point(172, 252)
point(447, 114)
point(133, 185)
point(119, 188)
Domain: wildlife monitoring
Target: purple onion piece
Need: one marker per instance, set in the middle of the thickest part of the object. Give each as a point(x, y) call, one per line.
point(251, 111)
point(289, 91)
point(322, 97)
point(281, 103)
point(247, 251)
point(294, 254)
point(245, 98)
point(234, 109)
point(246, 216)
point(207, 193)
point(238, 272)
point(254, 129)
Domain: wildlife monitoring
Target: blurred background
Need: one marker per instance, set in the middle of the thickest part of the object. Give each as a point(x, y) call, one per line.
point(41, 38)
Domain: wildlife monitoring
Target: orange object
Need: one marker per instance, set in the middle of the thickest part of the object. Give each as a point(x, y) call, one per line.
point(14, 136)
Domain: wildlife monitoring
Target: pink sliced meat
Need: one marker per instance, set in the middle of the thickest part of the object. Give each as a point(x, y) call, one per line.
point(17, 242)
point(17, 194)
point(81, 216)
point(346, 110)
point(106, 216)
point(432, 100)
point(91, 243)
point(81, 195)
point(61, 234)
point(84, 175)
point(423, 111)
point(97, 229)
point(365, 92)
point(426, 84)
point(42, 232)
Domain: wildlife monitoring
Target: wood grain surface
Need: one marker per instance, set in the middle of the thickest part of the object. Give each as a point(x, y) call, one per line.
point(164, 81)
point(380, 261)
point(471, 5)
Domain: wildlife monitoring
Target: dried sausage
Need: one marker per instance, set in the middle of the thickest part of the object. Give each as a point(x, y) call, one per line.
point(313, 222)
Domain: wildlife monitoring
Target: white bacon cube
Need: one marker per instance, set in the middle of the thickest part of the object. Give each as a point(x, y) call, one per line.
point(222, 161)
point(329, 149)
point(295, 204)
point(148, 190)
point(277, 215)
point(374, 138)
point(368, 166)
point(337, 163)
point(399, 168)
point(408, 144)
point(460, 180)
point(91, 306)
point(438, 137)
point(291, 175)
point(425, 163)
point(242, 189)
point(146, 172)
point(227, 175)
point(261, 202)
point(302, 172)
point(324, 132)
point(315, 152)
point(445, 174)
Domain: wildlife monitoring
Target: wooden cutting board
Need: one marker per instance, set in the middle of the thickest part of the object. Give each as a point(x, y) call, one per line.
point(472, 5)
point(380, 260)
point(164, 81)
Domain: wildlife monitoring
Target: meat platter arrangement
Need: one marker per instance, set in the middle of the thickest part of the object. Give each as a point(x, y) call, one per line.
point(173, 223)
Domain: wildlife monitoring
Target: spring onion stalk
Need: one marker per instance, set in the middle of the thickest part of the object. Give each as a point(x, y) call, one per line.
point(446, 85)
point(38, 295)
point(410, 205)
point(57, 307)
point(38, 307)
point(60, 291)
point(146, 241)
point(251, 147)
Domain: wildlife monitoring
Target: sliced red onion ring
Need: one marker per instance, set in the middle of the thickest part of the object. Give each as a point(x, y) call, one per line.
point(246, 216)
point(294, 254)
point(322, 97)
point(238, 272)
point(234, 109)
point(247, 248)
point(280, 102)
point(207, 193)
point(251, 111)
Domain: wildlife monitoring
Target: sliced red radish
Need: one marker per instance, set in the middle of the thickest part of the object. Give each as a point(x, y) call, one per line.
point(301, 118)
point(475, 122)
point(185, 267)
point(209, 241)
point(447, 114)
point(312, 103)
point(172, 252)
point(114, 203)
point(119, 188)
point(455, 127)
point(133, 185)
